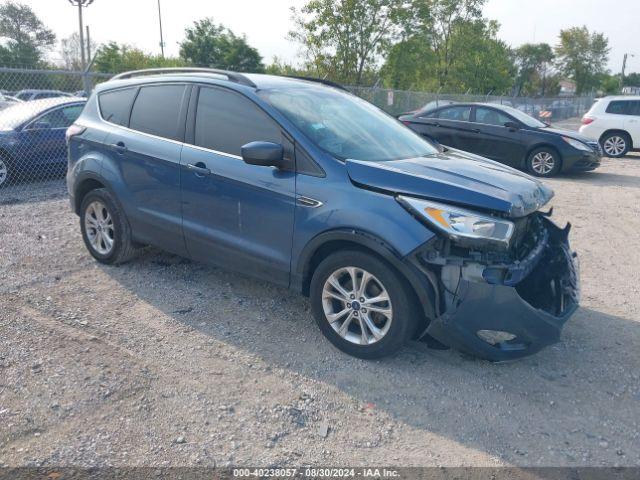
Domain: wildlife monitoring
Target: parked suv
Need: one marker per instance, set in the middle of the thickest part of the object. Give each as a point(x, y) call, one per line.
point(307, 186)
point(615, 123)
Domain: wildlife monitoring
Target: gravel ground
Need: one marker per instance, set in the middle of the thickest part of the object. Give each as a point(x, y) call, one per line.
point(167, 362)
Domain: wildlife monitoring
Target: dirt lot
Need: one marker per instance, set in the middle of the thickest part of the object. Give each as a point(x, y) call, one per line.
point(167, 362)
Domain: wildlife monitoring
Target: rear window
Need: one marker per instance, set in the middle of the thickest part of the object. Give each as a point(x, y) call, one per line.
point(115, 105)
point(624, 107)
point(157, 110)
point(460, 114)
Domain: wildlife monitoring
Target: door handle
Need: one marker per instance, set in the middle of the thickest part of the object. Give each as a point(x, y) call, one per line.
point(476, 130)
point(120, 147)
point(200, 169)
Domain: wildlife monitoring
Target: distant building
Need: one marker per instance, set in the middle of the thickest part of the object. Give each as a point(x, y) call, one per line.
point(631, 90)
point(567, 87)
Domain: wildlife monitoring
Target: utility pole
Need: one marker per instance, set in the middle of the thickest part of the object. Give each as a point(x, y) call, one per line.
point(83, 60)
point(80, 4)
point(160, 21)
point(88, 45)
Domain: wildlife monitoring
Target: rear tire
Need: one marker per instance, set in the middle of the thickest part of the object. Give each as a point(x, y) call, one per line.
point(105, 228)
point(387, 323)
point(615, 144)
point(544, 162)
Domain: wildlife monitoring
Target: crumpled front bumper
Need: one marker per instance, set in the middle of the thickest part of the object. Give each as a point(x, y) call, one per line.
point(527, 304)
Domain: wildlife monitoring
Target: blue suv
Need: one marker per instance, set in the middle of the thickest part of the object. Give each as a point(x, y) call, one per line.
point(300, 183)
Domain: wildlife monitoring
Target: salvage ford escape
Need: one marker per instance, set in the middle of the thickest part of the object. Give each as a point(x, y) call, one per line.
point(298, 182)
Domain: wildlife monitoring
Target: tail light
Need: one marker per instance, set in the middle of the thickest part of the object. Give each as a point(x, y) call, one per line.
point(406, 122)
point(74, 130)
point(587, 120)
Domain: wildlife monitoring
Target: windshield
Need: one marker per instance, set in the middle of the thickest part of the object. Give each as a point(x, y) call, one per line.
point(15, 115)
point(523, 117)
point(346, 126)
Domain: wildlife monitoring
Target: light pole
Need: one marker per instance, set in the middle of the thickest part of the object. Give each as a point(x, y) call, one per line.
point(80, 4)
point(160, 20)
point(624, 67)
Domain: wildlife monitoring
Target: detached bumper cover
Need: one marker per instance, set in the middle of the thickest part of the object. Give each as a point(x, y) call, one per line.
point(528, 307)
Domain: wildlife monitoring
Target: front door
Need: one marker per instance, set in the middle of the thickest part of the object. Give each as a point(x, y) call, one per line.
point(235, 215)
point(496, 141)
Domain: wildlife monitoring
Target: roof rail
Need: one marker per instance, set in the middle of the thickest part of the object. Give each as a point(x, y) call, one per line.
point(232, 76)
point(329, 83)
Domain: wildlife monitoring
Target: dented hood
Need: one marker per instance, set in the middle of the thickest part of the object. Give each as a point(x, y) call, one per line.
point(455, 177)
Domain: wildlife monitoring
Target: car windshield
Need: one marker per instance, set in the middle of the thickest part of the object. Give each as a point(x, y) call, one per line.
point(15, 115)
point(345, 126)
point(522, 117)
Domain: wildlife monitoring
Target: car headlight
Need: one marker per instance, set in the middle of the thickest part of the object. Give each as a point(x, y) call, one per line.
point(460, 224)
point(577, 144)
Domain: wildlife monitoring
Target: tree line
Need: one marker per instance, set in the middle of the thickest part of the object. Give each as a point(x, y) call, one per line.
point(426, 45)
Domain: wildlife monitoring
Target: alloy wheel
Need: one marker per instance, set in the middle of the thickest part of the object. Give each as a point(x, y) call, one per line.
point(543, 163)
point(614, 146)
point(357, 305)
point(4, 172)
point(99, 227)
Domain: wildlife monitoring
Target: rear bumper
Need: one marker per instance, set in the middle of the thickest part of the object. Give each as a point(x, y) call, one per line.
point(500, 320)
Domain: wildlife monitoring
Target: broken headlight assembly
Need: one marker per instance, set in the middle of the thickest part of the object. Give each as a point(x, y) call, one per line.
point(465, 227)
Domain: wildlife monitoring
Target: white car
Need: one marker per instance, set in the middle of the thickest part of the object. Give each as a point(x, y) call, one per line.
point(615, 123)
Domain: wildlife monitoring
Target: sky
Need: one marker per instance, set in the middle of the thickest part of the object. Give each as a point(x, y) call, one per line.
point(266, 22)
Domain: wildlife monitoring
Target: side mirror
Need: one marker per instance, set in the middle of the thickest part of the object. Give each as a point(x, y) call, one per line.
point(40, 125)
point(265, 154)
point(512, 126)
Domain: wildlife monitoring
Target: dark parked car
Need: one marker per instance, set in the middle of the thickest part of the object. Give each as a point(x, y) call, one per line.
point(307, 186)
point(34, 94)
point(509, 136)
point(32, 137)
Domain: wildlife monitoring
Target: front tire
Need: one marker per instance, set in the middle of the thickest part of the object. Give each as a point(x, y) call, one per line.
point(5, 173)
point(105, 229)
point(362, 305)
point(544, 162)
point(615, 145)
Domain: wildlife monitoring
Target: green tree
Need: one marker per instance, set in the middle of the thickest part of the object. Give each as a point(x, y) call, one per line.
point(410, 65)
point(582, 56)
point(27, 39)
point(632, 79)
point(116, 58)
point(479, 61)
point(344, 39)
point(534, 61)
point(210, 45)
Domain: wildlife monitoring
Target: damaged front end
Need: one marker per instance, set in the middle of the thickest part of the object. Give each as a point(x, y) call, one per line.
point(502, 302)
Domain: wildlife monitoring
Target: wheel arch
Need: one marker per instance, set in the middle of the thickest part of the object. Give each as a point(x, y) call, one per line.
point(619, 131)
point(537, 146)
point(327, 243)
point(84, 185)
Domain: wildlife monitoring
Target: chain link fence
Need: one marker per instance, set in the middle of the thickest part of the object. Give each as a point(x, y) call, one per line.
point(37, 106)
point(549, 109)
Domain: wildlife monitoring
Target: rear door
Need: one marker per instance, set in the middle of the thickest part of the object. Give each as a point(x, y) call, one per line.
point(452, 126)
point(235, 215)
point(147, 154)
point(494, 140)
point(632, 121)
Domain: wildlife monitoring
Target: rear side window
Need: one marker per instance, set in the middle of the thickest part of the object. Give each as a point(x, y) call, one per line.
point(460, 114)
point(624, 107)
point(489, 116)
point(225, 121)
point(157, 110)
point(115, 105)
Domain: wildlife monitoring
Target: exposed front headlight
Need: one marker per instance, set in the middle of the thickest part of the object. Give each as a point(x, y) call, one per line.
point(577, 144)
point(460, 224)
